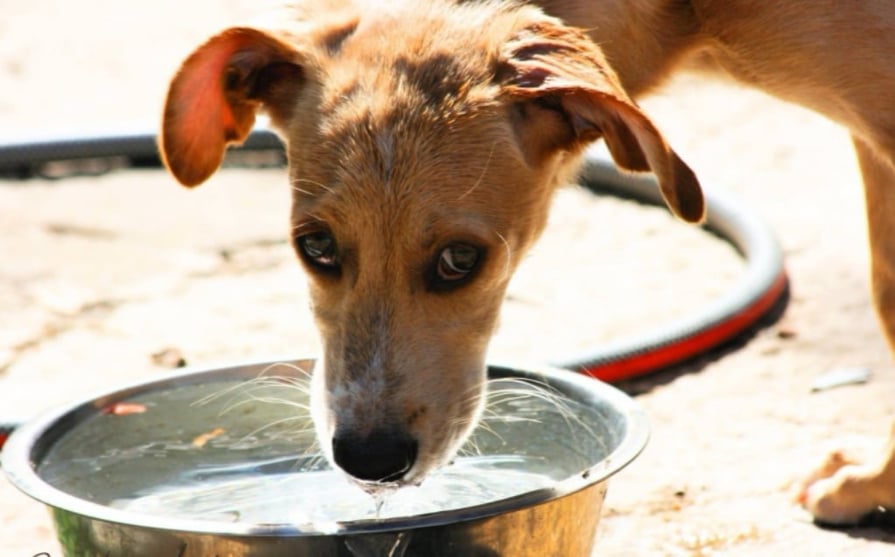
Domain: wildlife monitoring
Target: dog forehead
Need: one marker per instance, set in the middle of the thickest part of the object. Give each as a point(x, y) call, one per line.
point(403, 144)
point(393, 166)
point(389, 178)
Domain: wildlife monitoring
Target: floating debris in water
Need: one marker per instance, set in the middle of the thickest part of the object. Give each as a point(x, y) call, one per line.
point(201, 440)
point(124, 409)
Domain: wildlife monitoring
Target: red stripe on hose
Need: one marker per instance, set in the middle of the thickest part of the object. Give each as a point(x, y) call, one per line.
point(676, 352)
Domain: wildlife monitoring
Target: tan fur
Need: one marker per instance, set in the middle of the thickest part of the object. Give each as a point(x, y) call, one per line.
point(413, 126)
point(835, 58)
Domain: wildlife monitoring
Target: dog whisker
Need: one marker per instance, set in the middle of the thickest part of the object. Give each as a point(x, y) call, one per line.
point(301, 385)
point(486, 427)
point(263, 380)
point(209, 398)
point(268, 400)
point(481, 175)
point(514, 390)
point(275, 423)
point(507, 266)
point(317, 461)
point(249, 395)
point(471, 447)
point(296, 181)
point(304, 373)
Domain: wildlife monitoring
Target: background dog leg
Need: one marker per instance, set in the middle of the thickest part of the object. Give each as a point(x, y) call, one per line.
point(839, 492)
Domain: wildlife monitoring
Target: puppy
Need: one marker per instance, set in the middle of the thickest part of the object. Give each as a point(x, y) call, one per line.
point(424, 141)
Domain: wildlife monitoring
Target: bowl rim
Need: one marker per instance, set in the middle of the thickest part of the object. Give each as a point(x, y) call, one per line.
point(20, 464)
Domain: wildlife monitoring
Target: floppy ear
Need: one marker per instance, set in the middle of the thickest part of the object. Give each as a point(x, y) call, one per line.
point(213, 98)
point(567, 96)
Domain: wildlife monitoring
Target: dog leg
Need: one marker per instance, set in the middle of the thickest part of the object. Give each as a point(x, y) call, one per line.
point(878, 174)
point(841, 492)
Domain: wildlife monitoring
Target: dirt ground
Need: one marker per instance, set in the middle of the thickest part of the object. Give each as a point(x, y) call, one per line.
point(99, 273)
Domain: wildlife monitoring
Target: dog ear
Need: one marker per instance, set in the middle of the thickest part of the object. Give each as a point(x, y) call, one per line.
point(566, 96)
point(213, 98)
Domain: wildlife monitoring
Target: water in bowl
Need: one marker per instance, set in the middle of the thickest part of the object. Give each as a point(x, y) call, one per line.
point(240, 451)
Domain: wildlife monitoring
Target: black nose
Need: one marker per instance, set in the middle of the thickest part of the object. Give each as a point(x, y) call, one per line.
point(381, 456)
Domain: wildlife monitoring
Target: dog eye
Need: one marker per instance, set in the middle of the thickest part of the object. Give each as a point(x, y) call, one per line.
point(455, 264)
point(319, 249)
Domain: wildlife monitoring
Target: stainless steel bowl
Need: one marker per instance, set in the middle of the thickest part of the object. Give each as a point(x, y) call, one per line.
point(558, 519)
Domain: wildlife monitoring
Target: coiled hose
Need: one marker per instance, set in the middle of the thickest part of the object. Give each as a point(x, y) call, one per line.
point(762, 286)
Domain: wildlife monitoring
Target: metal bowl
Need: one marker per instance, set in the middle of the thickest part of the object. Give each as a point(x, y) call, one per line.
point(64, 459)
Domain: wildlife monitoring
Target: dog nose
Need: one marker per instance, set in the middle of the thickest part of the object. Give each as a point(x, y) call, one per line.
point(381, 456)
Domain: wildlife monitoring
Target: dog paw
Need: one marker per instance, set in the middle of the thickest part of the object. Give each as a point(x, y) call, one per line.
point(830, 465)
point(838, 492)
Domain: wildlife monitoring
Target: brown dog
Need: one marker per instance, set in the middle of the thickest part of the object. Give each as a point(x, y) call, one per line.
point(424, 145)
point(425, 141)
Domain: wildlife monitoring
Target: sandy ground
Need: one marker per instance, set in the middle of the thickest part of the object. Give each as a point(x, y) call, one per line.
point(99, 273)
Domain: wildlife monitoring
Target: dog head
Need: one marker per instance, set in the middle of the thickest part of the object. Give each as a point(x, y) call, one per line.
point(424, 145)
